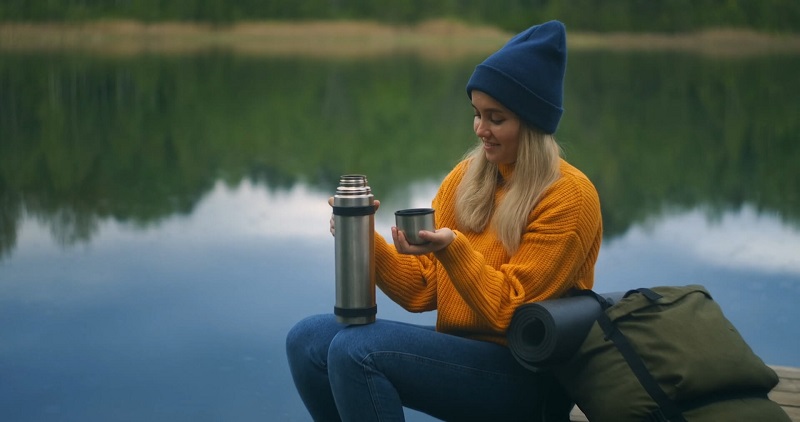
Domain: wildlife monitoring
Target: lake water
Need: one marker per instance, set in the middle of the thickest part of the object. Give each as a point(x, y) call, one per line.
point(163, 219)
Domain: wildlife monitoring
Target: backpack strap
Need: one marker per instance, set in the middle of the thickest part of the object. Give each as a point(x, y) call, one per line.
point(604, 302)
point(667, 410)
point(649, 294)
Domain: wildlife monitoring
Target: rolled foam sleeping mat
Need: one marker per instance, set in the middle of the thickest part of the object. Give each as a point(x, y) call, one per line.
point(546, 333)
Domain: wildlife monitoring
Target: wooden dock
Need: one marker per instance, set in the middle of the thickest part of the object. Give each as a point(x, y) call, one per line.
point(786, 394)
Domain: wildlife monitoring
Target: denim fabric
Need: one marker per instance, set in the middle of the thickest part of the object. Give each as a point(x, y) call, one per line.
point(369, 372)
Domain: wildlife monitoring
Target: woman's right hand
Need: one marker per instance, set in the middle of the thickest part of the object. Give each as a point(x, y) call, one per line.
point(333, 226)
point(377, 205)
point(436, 241)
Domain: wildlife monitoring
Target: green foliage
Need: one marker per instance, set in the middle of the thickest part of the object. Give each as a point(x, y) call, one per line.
point(598, 15)
point(141, 139)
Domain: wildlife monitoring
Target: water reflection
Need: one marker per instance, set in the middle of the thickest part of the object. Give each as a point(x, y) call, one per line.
point(163, 221)
point(185, 320)
point(180, 321)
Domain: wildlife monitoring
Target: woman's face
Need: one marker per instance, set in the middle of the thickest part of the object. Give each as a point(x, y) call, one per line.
point(498, 128)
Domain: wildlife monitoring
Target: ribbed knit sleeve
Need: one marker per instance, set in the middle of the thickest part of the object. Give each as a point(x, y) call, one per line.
point(408, 280)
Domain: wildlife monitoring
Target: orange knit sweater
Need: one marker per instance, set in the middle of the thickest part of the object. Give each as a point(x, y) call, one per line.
point(474, 284)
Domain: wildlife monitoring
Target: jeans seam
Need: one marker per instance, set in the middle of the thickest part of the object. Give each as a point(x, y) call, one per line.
point(368, 369)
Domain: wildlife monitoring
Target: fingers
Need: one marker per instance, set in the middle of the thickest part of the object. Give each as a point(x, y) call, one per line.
point(402, 245)
point(396, 236)
point(437, 240)
point(332, 228)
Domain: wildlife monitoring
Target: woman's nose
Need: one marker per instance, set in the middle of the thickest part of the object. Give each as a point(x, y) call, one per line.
point(481, 130)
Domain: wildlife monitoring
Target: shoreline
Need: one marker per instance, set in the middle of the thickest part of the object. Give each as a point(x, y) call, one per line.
point(438, 39)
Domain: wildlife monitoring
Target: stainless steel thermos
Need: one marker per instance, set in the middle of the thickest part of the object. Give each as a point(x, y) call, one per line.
point(354, 222)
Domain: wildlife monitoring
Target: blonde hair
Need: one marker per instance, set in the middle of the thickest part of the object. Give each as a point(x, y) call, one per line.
point(536, 168)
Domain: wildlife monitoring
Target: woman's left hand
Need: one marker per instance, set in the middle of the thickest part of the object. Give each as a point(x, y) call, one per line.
point(437, 240)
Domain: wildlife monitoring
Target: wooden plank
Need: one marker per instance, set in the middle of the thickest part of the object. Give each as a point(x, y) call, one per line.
point(786, 394)
point(786, 372)
point(789, 386)
point(577, 416)
point(790, 379)
point(785, 398)
point(793, 412)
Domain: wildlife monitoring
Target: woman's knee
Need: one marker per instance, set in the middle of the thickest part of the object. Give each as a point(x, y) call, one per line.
point(311, 335)
point(343, 345)
point(348, 353)
point(354, 344)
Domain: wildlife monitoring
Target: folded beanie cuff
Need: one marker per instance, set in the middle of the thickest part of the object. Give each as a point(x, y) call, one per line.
point(515, 96)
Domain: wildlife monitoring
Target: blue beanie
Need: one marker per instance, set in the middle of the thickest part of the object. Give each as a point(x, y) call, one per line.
point(527, 75)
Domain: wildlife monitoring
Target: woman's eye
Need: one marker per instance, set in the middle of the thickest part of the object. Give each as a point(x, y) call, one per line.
point(491, 118)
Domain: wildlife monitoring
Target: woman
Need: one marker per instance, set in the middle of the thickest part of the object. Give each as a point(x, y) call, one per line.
point(516, 224)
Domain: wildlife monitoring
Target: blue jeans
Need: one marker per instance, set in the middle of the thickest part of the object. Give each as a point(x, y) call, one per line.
point(369, 372)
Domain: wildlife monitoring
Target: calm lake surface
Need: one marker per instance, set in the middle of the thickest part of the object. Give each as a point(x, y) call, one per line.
point(163, 219)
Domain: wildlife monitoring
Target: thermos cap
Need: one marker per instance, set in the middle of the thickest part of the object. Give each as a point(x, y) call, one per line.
point(353, 184)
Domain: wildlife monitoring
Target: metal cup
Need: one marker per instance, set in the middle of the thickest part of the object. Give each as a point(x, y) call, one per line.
point(411, 221)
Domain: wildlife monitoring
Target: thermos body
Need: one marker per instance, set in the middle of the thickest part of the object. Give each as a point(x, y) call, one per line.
point(354, 220)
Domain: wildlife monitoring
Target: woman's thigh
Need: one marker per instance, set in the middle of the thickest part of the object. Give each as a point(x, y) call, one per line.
point(446, 376)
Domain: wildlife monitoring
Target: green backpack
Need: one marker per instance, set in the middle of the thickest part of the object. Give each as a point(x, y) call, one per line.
point(668, 354)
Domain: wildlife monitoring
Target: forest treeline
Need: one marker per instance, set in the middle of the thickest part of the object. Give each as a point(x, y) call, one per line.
point(588, 15)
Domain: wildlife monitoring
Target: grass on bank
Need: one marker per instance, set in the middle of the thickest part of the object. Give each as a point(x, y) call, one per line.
point(438, 38)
